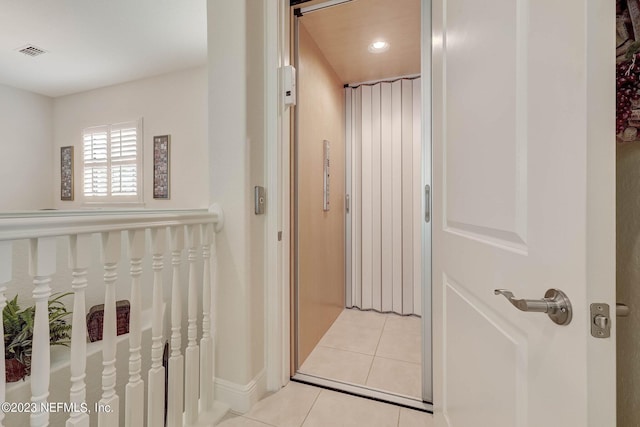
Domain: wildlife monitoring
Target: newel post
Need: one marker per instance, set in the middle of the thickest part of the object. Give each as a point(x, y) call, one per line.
point(206, 342)
point(217, 226)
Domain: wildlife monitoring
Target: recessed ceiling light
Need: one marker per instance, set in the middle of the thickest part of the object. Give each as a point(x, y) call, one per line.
point(379, 46)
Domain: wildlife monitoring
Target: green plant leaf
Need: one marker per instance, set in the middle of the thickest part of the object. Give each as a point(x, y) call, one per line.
point(18, 327)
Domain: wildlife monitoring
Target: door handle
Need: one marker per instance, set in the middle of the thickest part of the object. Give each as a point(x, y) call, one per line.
point(555, 303)
point(427, 203)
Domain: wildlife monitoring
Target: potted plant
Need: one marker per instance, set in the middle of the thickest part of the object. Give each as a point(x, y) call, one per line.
point(18, 334)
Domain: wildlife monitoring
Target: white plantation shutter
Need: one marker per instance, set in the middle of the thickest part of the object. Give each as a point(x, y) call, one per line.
point(124, 166)
point(95, 149)
point(112, 163)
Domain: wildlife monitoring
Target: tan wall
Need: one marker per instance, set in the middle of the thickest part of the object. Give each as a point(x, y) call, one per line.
point(321, 234)
point(628, 282)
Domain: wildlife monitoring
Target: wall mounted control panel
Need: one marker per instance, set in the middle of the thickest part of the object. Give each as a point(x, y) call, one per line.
point(289, 85)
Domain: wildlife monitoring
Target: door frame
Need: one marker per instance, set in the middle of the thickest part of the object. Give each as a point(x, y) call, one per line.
point(278, 120)
point(278, 248)
point(427, 182)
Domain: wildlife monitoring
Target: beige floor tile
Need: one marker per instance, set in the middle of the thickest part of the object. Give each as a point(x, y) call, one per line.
point(411, 418)
point(400, 345)
point(341, 410)
point(286, 408)
point(338, 365)
point(396, 376)
point(365, 319)
point(238, 421)
point(352, 337)
point(397, 323)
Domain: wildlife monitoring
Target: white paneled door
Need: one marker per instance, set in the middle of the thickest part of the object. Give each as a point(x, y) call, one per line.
point(524, 199)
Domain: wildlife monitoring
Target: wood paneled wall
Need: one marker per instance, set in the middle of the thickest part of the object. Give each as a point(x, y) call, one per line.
point(321, 255)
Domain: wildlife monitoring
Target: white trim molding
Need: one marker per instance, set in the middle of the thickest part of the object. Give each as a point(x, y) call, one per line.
point(39, 224)
point(240, 397)
point(278, 224)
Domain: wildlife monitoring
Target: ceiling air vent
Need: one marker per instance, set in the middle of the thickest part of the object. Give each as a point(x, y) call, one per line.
point(31, 50)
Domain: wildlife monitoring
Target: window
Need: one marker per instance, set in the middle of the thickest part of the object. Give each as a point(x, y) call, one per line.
point(112, 163)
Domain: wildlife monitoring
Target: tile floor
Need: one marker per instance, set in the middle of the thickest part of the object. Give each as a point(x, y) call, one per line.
point(380, 351)
point(301, 405)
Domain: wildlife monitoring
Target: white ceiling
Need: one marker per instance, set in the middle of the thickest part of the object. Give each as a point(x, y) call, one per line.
point(96, 43)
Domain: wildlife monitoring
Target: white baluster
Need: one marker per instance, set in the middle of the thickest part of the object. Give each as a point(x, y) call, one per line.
point(42, 265)
point(176, 361)
point(79, 258)
point(214, 312)
point(192, 353)
point(134, 400)
point(5, 276)
point(206, 357)
point(109, 403)
point(155, 396)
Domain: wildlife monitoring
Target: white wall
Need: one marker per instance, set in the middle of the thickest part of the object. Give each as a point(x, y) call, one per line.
point(229, 181)
point(236, 138)
point(25, 163)
point(174, 104)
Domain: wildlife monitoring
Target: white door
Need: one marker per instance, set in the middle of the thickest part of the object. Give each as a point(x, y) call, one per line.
point(524, 199)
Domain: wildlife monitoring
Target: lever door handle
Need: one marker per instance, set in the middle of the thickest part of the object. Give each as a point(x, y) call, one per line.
point(555, 303)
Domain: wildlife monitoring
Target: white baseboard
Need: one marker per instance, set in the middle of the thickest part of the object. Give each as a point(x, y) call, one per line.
point(240, 397)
